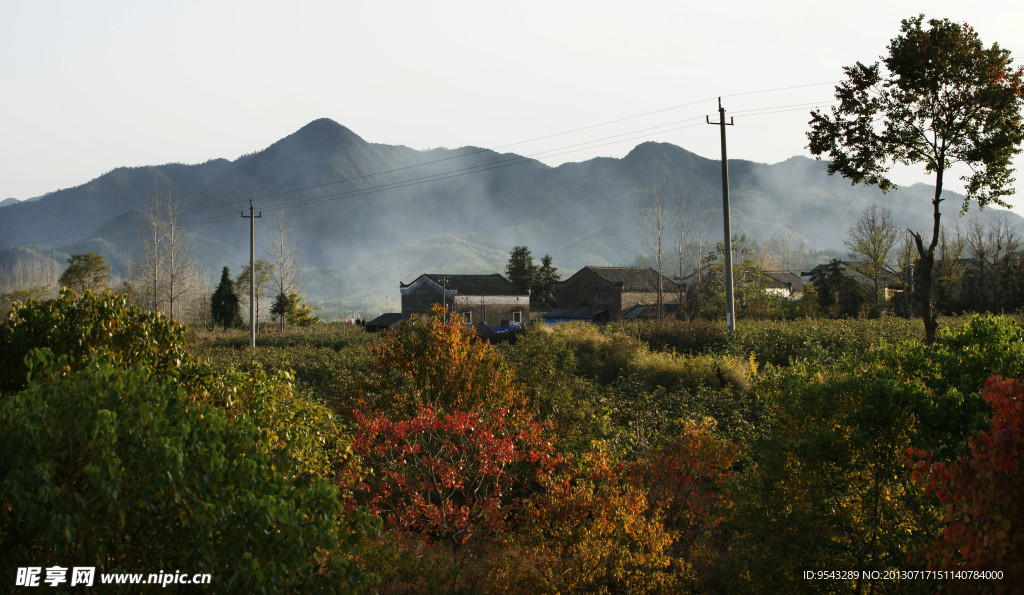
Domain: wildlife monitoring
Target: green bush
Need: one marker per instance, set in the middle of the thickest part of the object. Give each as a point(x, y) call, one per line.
point(78, 326)
point(830, 485)
point(321, 374)
point(331, 337)
point(117, 468)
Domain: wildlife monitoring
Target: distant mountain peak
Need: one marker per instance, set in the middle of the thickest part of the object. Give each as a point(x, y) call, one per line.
point(325, 131)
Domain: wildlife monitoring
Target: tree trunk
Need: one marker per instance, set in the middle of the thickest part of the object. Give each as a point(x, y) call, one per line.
point(171, 280)
point(931, 318)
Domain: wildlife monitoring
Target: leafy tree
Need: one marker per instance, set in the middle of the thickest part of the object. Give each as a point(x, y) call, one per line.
point(262, 281)
point(224, 307)
point(85, 272)
point(984, 522)
point(871, 240)
point(521, 270)
point(837, 291)
point(116, 468)
point(946, 99)
point(77, 326)
point(547, 276)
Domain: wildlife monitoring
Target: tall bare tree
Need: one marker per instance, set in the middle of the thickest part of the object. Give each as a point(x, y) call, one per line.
point(701, 236)
point(180, 246)
point(652, 218)
point(949, 270)
point(684, 226)
point(905, 259)
point(871, 240)
point(149, 266)
point(991, 249)
point(788, 236)
point(287, 274)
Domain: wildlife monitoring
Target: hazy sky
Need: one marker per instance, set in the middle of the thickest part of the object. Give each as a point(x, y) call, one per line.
point(89, 86)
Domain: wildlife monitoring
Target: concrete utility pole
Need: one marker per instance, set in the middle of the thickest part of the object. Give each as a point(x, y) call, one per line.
point(730, 306)
point(252, 217)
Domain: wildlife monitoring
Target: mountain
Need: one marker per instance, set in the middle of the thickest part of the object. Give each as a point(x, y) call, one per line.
point(60, 216)
point(366, 216)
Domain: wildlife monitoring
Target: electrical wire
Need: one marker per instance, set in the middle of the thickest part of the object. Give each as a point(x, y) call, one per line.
point(514, 160)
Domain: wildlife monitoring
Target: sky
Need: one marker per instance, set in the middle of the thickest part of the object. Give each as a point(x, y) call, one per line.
point(88, 87)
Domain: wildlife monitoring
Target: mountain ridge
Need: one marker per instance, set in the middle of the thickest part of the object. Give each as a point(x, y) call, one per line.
point(360, 209)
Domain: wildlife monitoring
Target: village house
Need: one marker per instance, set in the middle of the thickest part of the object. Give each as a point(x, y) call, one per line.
point(785, 284)
point(615, 289)
point(891, 283)
point(481, 300)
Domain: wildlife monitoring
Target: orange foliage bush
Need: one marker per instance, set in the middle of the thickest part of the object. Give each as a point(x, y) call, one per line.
point(685, 481)
point(983, 496)
point(636, 528)
point(437, 360)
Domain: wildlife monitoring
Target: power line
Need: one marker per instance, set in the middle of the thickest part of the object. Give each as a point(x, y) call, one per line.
point(516, 160)
point(477, 168)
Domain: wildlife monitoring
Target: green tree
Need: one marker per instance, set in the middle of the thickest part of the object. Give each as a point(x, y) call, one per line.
point(521, 270)
point(85, 272)
point(225, 308)
point(945, 99)
point(547, 276)
point(871, 240)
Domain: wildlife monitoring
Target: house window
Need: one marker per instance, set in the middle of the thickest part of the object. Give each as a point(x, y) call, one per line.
point(517, 317)
point(467, 317)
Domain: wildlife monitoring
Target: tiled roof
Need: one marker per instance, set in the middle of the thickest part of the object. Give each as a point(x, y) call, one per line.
point(650, 311)
point(634, 278)
point(782, 278)
point(574, 314)
point(477, 284)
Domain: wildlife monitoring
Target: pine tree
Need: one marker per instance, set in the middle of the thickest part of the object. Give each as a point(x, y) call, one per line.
point(280, 308)
point(224, 307)
point(521, 270)
point(299, 312)
point(85, 271)
point(544, 284)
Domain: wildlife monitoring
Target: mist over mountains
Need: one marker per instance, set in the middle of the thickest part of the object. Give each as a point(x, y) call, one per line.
point(365, 216)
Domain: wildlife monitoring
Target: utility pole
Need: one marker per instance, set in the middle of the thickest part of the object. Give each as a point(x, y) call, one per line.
point(730, 306)
point(252, 217)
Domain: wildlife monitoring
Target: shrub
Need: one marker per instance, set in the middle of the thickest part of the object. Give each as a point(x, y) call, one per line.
point(450, 476)
point(590, 531)
point(435, 361)
point(826, 486)
point(116, 468)
point(79, 326)
point(984, 520)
